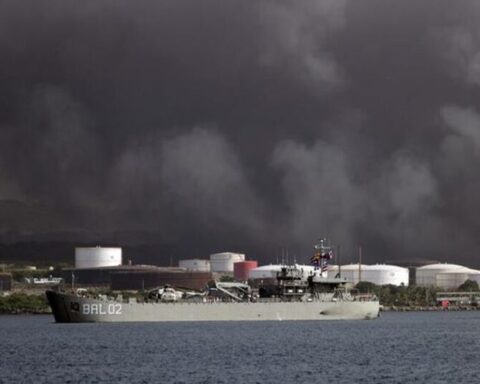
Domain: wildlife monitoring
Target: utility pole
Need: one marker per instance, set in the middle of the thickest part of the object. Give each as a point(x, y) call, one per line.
point(339, 259)
point(359, 263)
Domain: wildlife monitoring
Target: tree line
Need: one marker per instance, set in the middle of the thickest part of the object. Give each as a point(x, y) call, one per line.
point(392, 295)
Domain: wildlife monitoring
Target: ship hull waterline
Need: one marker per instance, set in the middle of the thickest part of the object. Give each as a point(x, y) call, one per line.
point(75, 309)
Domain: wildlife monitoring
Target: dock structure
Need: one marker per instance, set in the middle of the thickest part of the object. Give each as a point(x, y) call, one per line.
point(467, 298)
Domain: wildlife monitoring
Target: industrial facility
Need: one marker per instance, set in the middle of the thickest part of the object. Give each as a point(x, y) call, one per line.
point(379, 274)
point(241, 270)
point(223, 262)
point(440, 275)
point(103, 266)
point(97, 257)
point(444, 275)
point(264, 272)
point(136, 279)
point(198, 265)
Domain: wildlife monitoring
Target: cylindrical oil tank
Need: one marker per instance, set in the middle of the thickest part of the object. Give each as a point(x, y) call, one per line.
point(383, 274)
point(223, 262)
point(95, 257)
point(351, 272)
point(452, 280)
point(196, 265)
point(242, 268)
point(264, 272)
point(426, 276)
point(379, 274)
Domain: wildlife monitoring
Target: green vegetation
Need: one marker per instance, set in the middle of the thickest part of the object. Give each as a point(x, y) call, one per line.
point(469, 286)
point(20, 274)
point(227, 279)
point(23, 303)
point(391, 295)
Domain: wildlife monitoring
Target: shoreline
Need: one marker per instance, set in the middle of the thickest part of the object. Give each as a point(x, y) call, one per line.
point(464, 308)
point(48, 311)
point(30, 313)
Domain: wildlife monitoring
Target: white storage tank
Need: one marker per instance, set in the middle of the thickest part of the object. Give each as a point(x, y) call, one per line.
point(426, 276)
point(452, 280)
point(379, 274)
point(223, 262)
point(349, 272)
point(197, 265)
point(383, 274)
point(264, 272)
point(95, 257)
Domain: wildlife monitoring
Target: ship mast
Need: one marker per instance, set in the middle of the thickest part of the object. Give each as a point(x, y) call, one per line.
point(321, 256)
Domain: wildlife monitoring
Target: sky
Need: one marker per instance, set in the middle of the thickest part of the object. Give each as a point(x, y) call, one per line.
point(246, 125)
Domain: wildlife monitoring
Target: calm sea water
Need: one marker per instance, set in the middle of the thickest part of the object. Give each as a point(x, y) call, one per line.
point(397, 348)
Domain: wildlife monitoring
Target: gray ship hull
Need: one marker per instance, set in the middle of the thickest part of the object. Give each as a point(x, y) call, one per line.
point(75, 309)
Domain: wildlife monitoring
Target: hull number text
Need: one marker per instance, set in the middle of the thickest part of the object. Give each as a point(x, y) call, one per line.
point(102, 309)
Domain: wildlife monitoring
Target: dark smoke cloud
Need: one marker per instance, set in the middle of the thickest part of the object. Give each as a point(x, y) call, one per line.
point(248, 125)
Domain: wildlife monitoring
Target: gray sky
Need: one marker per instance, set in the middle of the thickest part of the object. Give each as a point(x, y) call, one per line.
point(248, 124)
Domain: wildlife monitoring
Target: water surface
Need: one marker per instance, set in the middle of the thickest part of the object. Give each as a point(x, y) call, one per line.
point(439, 347)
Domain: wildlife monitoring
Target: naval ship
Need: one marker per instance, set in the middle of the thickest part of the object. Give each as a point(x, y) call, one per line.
point(293, 297)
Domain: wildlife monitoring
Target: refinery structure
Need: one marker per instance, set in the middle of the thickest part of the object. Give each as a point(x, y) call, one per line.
point(445, 275)
point(107, 276)
point(107, 267)
point(95, 257)
point(104, 265)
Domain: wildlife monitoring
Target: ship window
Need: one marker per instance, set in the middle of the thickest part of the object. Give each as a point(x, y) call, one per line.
point(75, 307)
